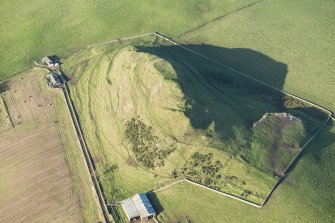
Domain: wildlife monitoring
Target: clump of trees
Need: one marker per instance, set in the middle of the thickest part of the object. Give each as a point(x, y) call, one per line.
point(148, 149)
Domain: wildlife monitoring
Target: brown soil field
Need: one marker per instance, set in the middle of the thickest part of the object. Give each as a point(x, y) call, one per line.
point(43, 176)
point(35, 182)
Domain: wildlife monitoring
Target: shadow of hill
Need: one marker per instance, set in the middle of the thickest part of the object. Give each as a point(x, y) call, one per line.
point(224, 105)
point(214, 94)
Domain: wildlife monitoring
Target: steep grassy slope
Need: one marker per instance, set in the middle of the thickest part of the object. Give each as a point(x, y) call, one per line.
point(32, 29)
point(298, 33)
point(306, 196)
point(156, 111)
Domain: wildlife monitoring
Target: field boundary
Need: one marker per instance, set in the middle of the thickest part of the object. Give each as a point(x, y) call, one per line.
point(88, 158)
point(273, 88)
point(86, 154)
point(285, 173)
point(241, 73)
point(210, 189)
point(120, 39)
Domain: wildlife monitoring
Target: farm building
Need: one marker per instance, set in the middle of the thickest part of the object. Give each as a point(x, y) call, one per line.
point(53, 80)
point(138, 208)
point(47, 61)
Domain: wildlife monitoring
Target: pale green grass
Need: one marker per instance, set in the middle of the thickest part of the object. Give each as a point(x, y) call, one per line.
point(31, 29)
point(298, 33)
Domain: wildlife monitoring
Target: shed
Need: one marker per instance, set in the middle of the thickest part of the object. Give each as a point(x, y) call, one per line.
point(138, 208)
point(47, 61)
point(53, 80)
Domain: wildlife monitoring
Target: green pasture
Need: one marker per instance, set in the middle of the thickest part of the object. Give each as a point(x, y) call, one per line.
point(32, 29)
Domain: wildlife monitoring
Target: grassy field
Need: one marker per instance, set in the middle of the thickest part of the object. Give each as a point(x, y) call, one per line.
point(32, 29)
point(186, 103)
point(43, 174)
point(307, 195)
point(285, 43)
point(298, 34)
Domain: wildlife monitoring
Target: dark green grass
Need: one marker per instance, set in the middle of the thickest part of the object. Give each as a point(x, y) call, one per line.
point(225, 105)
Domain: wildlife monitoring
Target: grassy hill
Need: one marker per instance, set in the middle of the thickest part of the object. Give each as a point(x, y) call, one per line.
point(32, 29)
point(153, 113)
point(285, 43)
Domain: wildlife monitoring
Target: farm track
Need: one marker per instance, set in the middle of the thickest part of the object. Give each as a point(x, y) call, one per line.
point(88, 158)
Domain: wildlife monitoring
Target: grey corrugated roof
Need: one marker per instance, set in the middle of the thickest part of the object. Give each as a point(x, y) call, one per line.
point(130, 208)
point(138, 205)
point(143, 205)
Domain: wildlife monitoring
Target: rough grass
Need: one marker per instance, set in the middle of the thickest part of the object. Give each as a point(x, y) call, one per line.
point(306, 196)
point(297, 33)
point(187, 101)
point(32, 29)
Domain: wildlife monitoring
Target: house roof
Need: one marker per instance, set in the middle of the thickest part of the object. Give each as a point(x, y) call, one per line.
point(138, 205)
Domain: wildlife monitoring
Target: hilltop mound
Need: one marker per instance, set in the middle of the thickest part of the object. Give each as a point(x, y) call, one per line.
point(153, 113)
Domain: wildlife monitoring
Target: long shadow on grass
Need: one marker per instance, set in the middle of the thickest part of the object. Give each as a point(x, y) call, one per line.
point(217, 95)
point(223, 104)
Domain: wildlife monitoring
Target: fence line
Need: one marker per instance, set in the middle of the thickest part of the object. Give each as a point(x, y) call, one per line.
point(241, 73)
point(102, 202)
point(293, 161)
point(210, 189)
point(89, 162)
point(270, 86)
point(117, 40)
point(305, 145)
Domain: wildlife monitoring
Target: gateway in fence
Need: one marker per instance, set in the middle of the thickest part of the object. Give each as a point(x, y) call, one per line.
point(138, 208)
